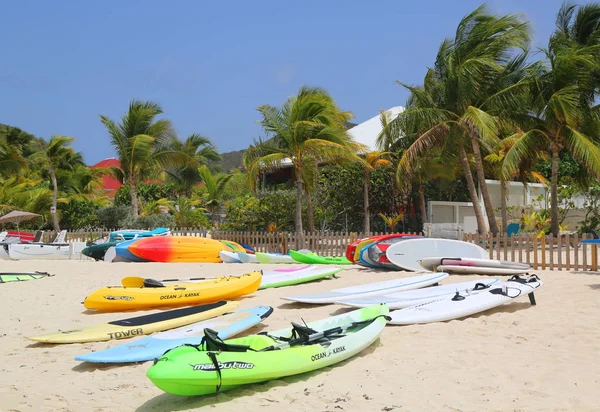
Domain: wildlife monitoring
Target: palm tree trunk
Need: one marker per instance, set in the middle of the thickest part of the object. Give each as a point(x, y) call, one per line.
point(135, 205)
point(503, 194)
point(472, 191)
point(554, 191)
point(422, 204)
point(309, 212)
point(54, 199)
point(367, 225)
point(299, 233)
point(489, 208)
point(212, 217)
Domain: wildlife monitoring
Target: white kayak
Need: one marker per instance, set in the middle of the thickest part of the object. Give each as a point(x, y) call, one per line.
point(247, 257)
point(408, 298)
point(229, 257)
point(273, 258)
point(370, 289)
point(461, 305)
point(408, 253)
point(476, 270)
point(431, 262)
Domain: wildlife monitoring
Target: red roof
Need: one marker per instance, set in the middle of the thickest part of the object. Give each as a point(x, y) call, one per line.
point(110, 183)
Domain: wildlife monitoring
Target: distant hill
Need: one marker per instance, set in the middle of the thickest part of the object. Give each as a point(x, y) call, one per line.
point(230, 160)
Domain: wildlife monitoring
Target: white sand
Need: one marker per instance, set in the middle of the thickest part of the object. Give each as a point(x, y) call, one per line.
point(514, 358)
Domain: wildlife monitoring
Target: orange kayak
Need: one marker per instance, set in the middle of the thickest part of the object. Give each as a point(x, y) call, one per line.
point(178, 249)
point(118, 298)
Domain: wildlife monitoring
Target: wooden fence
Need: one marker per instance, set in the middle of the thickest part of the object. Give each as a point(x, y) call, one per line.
point(565, 252)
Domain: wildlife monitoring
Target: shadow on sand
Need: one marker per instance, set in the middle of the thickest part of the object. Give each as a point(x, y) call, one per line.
point(168, 402)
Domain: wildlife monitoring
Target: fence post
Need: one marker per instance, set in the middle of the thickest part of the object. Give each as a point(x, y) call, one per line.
point(595, 257)
point(283, 243)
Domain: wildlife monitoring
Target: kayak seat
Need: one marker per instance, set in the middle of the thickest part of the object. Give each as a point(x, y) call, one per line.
point(212, 342)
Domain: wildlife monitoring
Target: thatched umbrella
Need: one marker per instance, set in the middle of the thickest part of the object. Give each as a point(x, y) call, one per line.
point(16, 216)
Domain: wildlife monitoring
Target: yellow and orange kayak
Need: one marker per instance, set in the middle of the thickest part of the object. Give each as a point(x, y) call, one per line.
point(178, 249)
point(118, 298)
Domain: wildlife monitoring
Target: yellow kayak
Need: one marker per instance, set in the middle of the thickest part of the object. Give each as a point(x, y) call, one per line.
point(118, 298)
point(140, 325)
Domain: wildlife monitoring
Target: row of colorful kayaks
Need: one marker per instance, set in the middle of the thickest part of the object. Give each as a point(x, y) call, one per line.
point(159, 246)
point(195, 355)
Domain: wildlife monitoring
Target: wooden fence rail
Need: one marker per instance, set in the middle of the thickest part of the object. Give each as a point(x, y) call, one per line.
point(565, 252)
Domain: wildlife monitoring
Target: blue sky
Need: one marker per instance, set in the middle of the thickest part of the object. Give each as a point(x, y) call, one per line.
point(210, 64)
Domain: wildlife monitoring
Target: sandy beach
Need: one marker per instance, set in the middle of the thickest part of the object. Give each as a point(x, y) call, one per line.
point(516, 357)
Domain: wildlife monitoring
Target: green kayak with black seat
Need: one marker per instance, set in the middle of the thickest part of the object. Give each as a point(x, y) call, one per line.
point(216, 365)
point(98, 251)
point(314, 259)
point(20, 277)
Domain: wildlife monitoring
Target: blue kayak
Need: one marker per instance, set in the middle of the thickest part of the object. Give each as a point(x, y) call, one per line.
point(122, 250)
point(152, 347)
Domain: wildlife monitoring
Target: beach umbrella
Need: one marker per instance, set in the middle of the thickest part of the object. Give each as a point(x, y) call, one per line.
point(17, 216)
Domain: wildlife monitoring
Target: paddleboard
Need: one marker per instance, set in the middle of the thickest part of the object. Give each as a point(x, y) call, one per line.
point(432, 262)
point(408, 298)
point(20, 277)
point(370, 289)
point(152, 347)
point(408, 253)
point(229, 257)
point(461, 305)
point(247, 257)
point(140, 325)
point(294, 276)
point(476, 270)
point(273, 258)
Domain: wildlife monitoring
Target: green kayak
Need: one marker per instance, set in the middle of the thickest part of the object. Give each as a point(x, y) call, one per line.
point(217, 365)
point(20, 277)
point(98, 251)
point(314, 259)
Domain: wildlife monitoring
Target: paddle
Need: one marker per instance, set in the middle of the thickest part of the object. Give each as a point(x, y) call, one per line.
point(138, 282)
point(309, 335)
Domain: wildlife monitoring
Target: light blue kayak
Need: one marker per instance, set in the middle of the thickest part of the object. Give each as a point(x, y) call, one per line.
point(152, 347)
point(122, 250)
point(247, 258)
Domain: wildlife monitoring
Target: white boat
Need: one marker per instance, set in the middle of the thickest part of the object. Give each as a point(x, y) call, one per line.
point(45, 251)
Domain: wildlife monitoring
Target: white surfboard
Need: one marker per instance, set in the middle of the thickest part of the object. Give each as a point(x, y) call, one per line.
point(431, 262)
point(229, 257)
point(461, 305)
point(247, 257)
point(110, 254)
point(408, 298)
point(475, 270)
point(408, 253)
point(370, 289)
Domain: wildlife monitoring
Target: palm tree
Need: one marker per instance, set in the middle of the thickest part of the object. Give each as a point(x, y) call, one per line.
point(200, 151)
point(143, 144)
point(372, 162)
point(308, 128)
point(468, 92)
point(215, 187)
point(561, 107)
point(57, 155)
